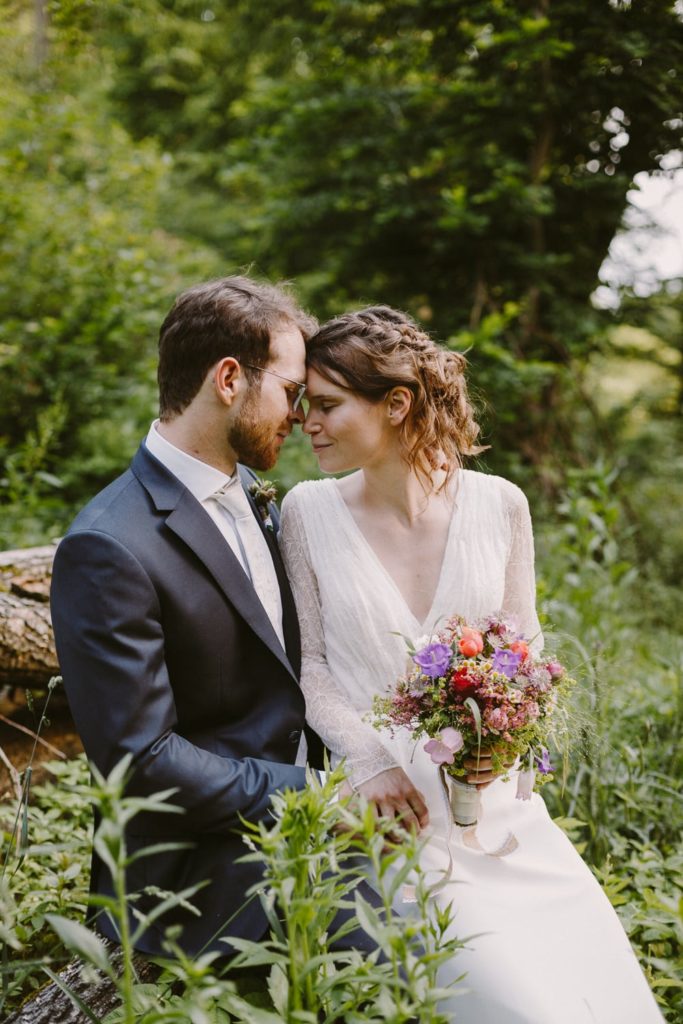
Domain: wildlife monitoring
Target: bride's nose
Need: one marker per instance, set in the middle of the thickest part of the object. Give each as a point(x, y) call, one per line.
point(310, 426)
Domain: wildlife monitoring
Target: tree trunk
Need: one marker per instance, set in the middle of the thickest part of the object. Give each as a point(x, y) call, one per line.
point(40, 20)
point(27, 650)
point(50, 1005)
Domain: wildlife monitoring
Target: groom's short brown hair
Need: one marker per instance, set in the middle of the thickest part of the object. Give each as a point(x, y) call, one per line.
point(233, 316)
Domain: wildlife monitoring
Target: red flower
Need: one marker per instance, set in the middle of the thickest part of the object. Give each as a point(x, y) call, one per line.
point(461, 682)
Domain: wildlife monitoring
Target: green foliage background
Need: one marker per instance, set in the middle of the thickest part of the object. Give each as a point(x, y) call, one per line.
point(467, 161)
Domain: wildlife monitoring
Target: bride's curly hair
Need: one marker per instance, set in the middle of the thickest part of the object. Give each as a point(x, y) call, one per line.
point(379, 348)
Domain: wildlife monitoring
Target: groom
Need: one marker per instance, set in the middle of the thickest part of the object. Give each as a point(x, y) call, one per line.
point(175, 626)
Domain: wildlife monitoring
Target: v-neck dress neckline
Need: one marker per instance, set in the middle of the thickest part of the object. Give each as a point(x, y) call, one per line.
point(427, 622)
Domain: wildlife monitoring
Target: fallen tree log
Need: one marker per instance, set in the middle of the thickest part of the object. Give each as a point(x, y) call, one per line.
point(27, 649)
point(51, 1005)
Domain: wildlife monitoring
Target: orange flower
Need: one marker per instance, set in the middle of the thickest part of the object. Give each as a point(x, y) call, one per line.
point(520, 647)
point(471, 642)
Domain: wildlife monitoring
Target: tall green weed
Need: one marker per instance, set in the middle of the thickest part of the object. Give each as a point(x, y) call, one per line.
point(314, 854)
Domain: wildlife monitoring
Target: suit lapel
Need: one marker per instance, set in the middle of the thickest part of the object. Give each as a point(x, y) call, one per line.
point(290, 621)
point(190, 522)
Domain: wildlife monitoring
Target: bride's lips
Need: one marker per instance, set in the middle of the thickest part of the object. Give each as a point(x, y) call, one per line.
point(319, 447)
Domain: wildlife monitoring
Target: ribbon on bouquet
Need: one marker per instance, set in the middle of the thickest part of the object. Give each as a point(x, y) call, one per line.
point(469, 836)
point(469, 839)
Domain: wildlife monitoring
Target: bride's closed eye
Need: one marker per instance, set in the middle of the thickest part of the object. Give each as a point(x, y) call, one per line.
point(321, 405)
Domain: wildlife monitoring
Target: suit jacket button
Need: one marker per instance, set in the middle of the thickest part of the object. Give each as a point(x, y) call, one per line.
point(294, 736)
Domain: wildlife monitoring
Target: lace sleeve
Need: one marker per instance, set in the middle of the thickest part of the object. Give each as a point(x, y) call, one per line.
point(520, 582)
point(328, 710)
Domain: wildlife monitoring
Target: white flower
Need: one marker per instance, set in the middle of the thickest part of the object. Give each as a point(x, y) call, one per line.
point(525, 784)
point(541, 678)
point(424, 641)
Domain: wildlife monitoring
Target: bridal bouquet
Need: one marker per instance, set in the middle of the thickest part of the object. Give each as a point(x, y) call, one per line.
point(477, 688)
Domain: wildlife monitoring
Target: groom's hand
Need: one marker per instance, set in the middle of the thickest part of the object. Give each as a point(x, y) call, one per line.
point(394, 796)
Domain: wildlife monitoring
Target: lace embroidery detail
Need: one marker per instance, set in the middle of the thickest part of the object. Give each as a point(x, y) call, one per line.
point(328, 711)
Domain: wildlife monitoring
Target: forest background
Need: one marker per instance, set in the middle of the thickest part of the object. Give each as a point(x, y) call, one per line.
point(466, 161)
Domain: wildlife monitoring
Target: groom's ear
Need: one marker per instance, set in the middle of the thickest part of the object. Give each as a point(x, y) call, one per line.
point(399, 401)
point(228, 380)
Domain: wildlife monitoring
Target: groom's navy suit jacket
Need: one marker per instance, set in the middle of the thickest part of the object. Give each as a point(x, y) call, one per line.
point(167, 654)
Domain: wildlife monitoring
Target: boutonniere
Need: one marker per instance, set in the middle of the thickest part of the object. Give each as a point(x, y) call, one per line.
point(263, 492)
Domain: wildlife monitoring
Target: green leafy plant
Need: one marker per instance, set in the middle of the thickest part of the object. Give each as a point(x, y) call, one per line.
point(46, 852)
point(621, 805)
point(314, 854)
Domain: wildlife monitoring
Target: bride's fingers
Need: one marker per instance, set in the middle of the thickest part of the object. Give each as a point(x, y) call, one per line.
point(402, 813)
point(419, 808)
point(399, 812)
point(474, 763)
point(483, 778)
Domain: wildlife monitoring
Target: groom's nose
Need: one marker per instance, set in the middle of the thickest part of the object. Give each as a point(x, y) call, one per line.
point(296, 415)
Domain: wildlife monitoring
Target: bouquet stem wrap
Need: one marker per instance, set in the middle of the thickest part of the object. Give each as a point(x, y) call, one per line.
point(464, 802)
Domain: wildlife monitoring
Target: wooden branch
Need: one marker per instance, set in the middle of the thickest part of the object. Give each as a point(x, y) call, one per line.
point(51, 1005)
point(23, 559)
point(30, 732)
point(15, 778)
point(27, 650)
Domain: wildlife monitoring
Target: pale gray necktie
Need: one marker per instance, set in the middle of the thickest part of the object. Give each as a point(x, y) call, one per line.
point(254, 547)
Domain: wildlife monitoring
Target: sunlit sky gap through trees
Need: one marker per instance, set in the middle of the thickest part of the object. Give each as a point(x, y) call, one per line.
point(649, 249)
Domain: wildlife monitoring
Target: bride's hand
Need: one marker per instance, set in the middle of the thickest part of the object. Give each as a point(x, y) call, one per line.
point(394, 796)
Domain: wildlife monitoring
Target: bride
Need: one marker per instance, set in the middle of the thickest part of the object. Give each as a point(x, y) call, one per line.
point(408, 540)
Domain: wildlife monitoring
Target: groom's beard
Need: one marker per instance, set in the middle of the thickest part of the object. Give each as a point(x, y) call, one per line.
point(254, 442)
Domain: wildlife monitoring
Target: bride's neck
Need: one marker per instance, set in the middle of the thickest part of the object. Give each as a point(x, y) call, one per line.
point(398, 489)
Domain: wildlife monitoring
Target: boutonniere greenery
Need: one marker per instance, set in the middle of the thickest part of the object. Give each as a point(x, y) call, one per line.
point(263, 492)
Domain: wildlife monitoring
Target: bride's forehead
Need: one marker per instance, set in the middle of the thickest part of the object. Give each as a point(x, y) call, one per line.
point(317, 385)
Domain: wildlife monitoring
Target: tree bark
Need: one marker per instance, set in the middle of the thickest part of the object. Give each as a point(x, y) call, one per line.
point(51, 1004)
point(27, 649)
point(40, 46)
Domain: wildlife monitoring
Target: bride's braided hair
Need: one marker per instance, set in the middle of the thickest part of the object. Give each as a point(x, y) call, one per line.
point(379, 348)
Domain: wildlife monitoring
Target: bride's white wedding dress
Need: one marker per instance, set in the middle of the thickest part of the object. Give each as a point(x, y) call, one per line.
point(549, 949)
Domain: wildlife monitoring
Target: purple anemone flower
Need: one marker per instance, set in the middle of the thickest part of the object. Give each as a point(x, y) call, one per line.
point(434, 659)
point(506, 662)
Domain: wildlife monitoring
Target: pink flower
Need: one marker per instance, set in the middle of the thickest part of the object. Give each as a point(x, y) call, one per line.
point(443, 750)
point(525, 784)
point(532, 710)
point(556, 670)
point(497, 719)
